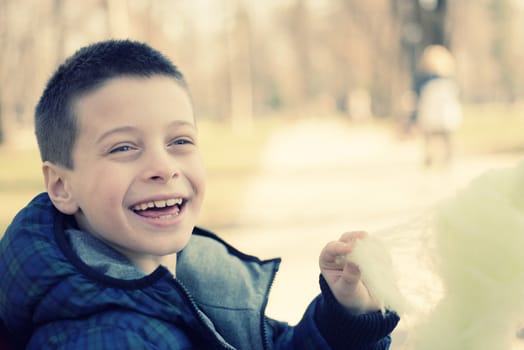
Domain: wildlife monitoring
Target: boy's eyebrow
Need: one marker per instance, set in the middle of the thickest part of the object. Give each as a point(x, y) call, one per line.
point(182, 123)
point(115, 131)
point(123, 129)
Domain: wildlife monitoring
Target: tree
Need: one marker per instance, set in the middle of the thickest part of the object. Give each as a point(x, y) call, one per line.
point(3, 40)
point(238, 36)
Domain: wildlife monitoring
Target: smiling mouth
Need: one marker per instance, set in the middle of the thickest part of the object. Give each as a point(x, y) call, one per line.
point(160, 209)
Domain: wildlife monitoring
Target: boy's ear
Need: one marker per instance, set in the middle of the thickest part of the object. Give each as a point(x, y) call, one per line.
point(58, 188)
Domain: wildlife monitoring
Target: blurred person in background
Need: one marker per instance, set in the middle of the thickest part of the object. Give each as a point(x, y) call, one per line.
point(438, 111)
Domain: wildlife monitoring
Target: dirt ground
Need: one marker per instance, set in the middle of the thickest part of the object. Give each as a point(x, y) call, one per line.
point(319, 180)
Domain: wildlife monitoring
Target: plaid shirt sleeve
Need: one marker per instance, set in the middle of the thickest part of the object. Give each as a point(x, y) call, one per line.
point(90, 338)
point(327, 325)
point(343, 330)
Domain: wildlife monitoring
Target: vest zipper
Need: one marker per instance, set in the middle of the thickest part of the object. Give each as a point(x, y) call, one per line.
point(266, 343)
point(198, 314)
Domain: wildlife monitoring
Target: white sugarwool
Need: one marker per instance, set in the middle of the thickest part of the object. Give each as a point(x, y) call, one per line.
point(464, 261)
point(378, 274)
point(479, 256)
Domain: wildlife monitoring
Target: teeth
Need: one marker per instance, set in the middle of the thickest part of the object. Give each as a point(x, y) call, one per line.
point(158, 204)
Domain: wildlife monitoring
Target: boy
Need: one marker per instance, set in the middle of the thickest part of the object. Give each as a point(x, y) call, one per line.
point(109, 257)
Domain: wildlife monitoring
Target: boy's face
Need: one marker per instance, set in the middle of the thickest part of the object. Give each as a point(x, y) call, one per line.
point(138, 178)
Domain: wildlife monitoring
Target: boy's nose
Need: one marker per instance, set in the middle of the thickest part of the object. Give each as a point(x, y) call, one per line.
point(161, 168)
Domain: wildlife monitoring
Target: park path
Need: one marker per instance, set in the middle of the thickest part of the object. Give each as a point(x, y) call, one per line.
point(320, 179)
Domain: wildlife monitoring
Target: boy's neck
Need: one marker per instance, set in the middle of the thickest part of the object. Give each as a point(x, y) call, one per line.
point(150, 264)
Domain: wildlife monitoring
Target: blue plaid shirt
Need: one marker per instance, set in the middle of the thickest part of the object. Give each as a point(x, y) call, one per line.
point(51, 299)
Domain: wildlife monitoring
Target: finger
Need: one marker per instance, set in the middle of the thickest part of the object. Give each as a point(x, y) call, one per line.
point(335, 248)
point(351, 236)
point(351, 271)
point(333, 255)
point(349, 274)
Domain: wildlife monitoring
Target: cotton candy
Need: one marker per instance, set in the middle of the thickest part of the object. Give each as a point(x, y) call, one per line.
point(478, 252)
point(378, 273)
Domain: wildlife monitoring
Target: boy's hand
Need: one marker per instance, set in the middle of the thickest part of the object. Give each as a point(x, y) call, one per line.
point(343, 277)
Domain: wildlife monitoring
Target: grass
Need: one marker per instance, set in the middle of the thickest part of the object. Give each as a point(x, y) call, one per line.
point(20, 180)
point(492, 129)
point(232, 158)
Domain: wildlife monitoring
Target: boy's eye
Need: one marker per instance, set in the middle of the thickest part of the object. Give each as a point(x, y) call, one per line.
point(123, 148)
point(182, 142)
